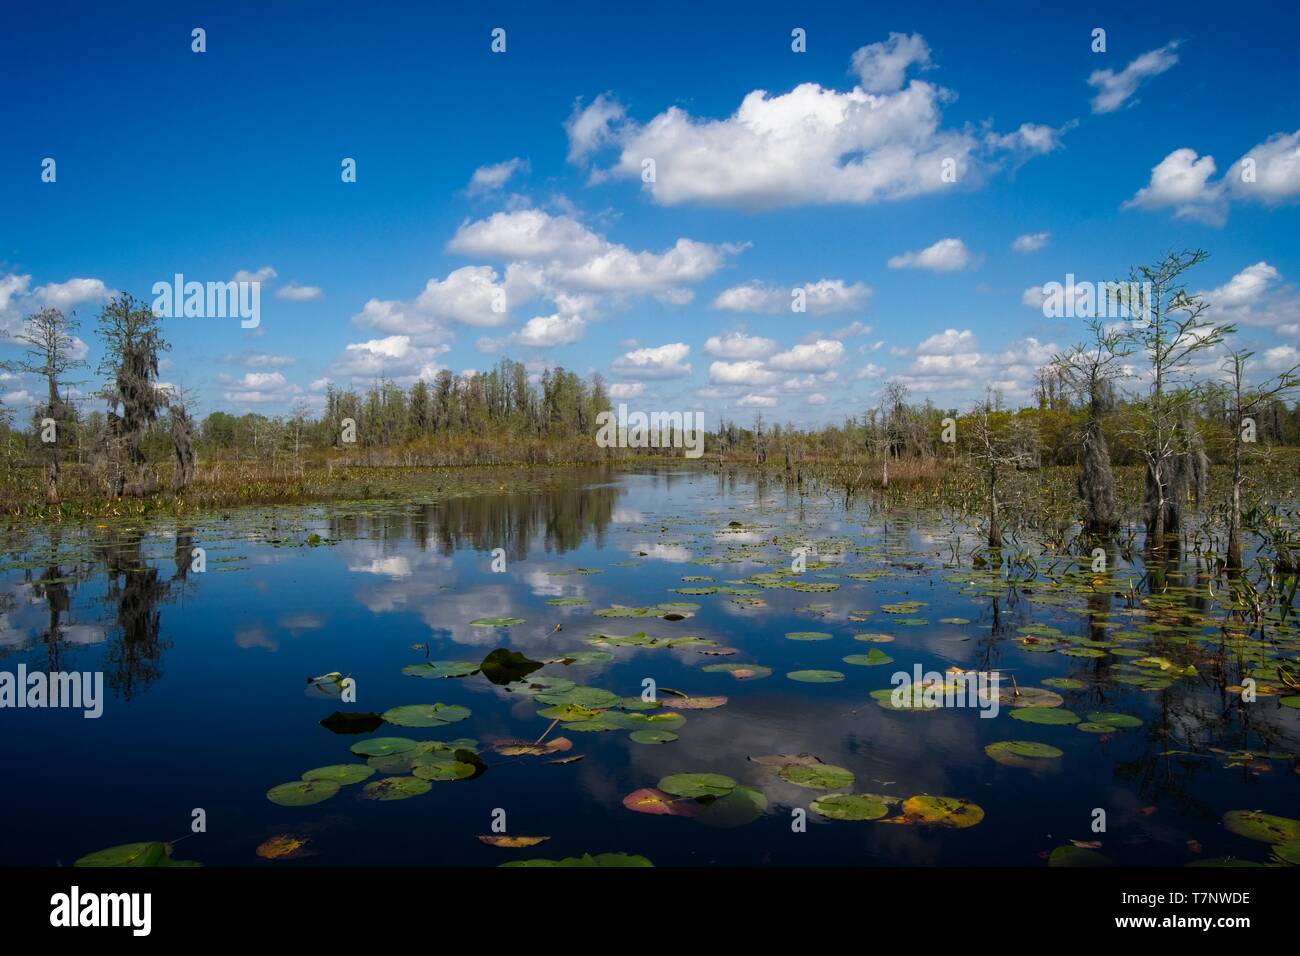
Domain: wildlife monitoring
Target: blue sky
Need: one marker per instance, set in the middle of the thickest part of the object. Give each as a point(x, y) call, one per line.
point(774, 171)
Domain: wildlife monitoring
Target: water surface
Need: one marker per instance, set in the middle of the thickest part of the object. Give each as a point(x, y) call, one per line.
point(207, 705)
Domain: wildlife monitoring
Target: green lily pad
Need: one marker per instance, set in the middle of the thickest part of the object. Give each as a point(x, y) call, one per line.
point(852, 806)
point(1065, 683)
point(147, 854)
point(1071, 855)
point(873, 658)
point(435, 669)
point(653, 736)
point(1045, 715)
point(341, 773)
point(697, 785)
point(914, 701)
point(821, 776)
point(1114, 721)
point(1022, 753)
point(302, 793)
point(583, 658)
point(426, 715)
point(1264, 827)
point(816, 676)
point(591, 697)
point(395, 788)
point(808, 636)
point(497, 621)
point(383, 746)
point(664, 721)
point(442, 770)
point(1288, 852)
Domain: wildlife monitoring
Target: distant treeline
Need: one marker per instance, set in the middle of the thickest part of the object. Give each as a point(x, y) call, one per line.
point(1132, 393)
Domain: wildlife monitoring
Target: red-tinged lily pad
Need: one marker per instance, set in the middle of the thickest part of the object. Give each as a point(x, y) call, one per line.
point(523, 748)
point(653, 801)
point(283, 846)
point(941, 812)
point(512, 842)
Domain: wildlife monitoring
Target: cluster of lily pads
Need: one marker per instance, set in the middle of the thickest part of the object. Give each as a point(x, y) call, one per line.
point(718, 800)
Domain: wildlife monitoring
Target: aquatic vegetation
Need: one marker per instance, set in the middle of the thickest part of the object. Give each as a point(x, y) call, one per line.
point(283, 846)
point(512, 842)
point(424, 715)
point(816, 676)
point(342, 773)
point(396, 788)
point(148, 854)
point(941, 812)
point(854, 806)
point(302, 793)
point(1150, 671)
point(1022, 753)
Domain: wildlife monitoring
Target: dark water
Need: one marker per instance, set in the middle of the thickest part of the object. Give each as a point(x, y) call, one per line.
point(205, 677)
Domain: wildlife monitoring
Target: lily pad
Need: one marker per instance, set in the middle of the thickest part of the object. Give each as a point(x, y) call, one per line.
point(341, 773)
point(697, 785)
point(1114, 721)
point(302, 793)
point(426, 715)
point(497, 621)
point(653, 736)
point(441, 770)
point(1265, 827)
point(1071, 855)
point(435, 669)
point(656, 802)
point(395, 788)
point(1045, 715)
point(383, 746)
point(512, 842)
point(852, 806)
point(822, 776)
point(1022, 753)
point(149, 853)
point(872, 658)
point(816, 676)
point(941, 812)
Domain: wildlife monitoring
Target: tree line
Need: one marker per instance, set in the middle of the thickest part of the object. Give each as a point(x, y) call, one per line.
point(1134, 392)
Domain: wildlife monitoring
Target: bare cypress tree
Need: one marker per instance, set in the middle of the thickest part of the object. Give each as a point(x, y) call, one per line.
point(760, 441)
point(997, 444)
point(51, 341)
point(1245, 403)
point(1090, 371)
point(1167, 325)
point(132, 342)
